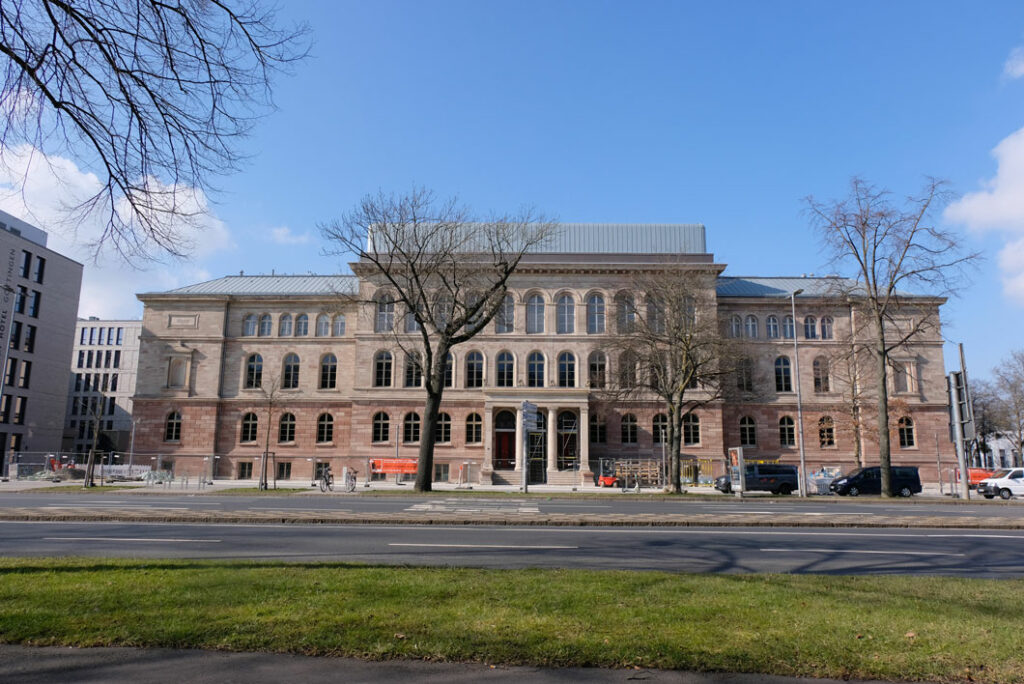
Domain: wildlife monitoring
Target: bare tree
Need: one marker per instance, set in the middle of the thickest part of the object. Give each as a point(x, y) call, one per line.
point(271, 391)
point(1009, 399)
point(891, 249)
point(987, 403)
point(671, 346)
point(152, 97)
point(447, 272)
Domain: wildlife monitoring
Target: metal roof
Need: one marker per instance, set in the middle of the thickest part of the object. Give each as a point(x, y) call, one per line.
point(781, 287)
point(273, 285)
point(625, 238)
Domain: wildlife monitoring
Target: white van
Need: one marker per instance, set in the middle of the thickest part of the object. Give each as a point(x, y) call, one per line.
point(1004, 483)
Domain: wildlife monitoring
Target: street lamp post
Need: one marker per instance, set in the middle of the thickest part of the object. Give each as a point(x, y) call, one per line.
point(10, 292)
point(799, 402)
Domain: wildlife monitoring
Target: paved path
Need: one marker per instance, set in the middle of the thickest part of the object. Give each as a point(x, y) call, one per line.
point(27, 665)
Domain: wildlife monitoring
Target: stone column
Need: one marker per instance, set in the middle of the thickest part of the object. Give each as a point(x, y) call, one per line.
point(552, 440)
point(488, 427)
point(519, 439)
point(583, 438)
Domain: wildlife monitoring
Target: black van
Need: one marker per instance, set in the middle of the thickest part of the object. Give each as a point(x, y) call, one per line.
point(905, 481)
point(765, 477)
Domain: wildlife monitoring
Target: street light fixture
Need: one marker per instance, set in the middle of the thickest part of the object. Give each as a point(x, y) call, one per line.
point(799, 402)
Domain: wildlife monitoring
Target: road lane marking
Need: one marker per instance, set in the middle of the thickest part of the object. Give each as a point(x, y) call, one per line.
point(136, 539)
point(481, 546)
point(120, 506)
point(886, 553)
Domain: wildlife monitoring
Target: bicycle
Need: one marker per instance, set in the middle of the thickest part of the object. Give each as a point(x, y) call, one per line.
point(350, 481)
point(326, 482)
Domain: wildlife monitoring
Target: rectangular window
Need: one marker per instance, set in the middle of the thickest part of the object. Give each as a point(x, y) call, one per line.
point(34, 303)
point(11, 372)
point(26, 374)
point(110, 335)
point(88, 359)
point(117, 358)
point(120, 340)
point(245, 470)
point(20, 404)
point(19, 299)
point(106, 359)
point(113, 382)
point(5, 408)
point(30, 338)
point(284, 471)
point(26, 263)
point(15, 334)
point(92, 335)
point(598, 430)
point(110, 406)
point(78, 382)
point(102, 336)
point(83, 336)
point(39, 271)
point(440, 472)
point(106, 382)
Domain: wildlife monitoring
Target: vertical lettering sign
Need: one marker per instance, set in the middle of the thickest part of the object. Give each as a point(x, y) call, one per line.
point(8, 292)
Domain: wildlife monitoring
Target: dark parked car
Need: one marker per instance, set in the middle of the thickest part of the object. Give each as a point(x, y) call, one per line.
point(764, 477)
point(905, 481)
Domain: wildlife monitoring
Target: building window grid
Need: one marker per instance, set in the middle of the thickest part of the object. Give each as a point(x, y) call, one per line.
point(382, 369)
point(826, 432)
point(290, 372)
point(748, 432)
point(659, 428)
point(504, 320)
point(750, 327)
point(691, 429)
point(566, 315)
point(324, 429)
point(329, 372)
point(598, 370)
point(250, 428)
point(411, 428)
point(783, 379)
point(413, 370)
point(595, 315)
point(628, 429)
point(566, 369)
point(535, 370)
point(284, 326)
point(443, 429)
point(301, 325)
point(286, 429)
point(381, 427)
point(906, 433)
point(788, 328)
point(474, 429)
point(535, 315)
point(254, 371)
point(505, 370)
point(598, 429)
point(474, 370)
point(172, 427)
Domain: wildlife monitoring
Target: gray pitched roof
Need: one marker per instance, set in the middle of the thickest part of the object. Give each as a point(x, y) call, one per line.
point(626, 238)
point(273, 285)
point(781, 287)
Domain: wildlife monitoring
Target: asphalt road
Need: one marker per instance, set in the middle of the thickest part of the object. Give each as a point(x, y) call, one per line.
point(441, 501)
point(967, 553)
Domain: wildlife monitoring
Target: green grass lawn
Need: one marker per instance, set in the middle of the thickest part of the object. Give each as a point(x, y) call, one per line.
point(913, 628)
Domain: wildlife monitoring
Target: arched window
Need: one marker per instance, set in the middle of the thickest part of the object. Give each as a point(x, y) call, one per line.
point(449, 370)
point(750, 327)
point(566, 369)
point(748, 431)
point(382, 369)
point(338, 326)
point(627, 370)
point(325, 428)
point(771, 327)
point(811, 328)
point(595, 314)
point(384, 321)
point(745, 375)
point(625, 312)
point(506, 370)
point(254, 371)
point(412, 322)
point(249, 326)
point(826, 327)
point(628, 429)
point(787, 432)
point(474, 429)
point(301, 325)
point(655, 314)
point(290, 374)
point(323, 325)
point(505, 319)
point(286, 430)
point(266, 325)
point(826, 432)
point(411, 428)
point(821, 375)
point(250, 428)
point(691, 429)
point(413, 369)
point(535, 370)
point(380, 427)
point(598, 369)
point(443, 429)
point(534, 314)
point(788, 328)
point(329, 371)
point(735, 326)
point(172, 427)
point(659, 428)
point(906, 430)
point(474, 369)
point(284, 326)
point(566, 315)
point(783, 380)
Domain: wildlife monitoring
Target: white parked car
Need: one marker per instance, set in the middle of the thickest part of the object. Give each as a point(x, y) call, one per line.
point(1003, 483)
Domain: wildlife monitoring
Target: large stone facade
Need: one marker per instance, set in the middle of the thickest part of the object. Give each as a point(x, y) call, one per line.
point(206, 411)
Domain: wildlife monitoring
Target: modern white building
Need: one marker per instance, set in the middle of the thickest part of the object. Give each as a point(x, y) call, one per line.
point(39, 291)
point(104, 364)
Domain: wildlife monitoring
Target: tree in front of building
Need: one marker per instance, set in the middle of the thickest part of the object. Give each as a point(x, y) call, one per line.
point(669, 344)
point(438, 276)
point(150, 97)
point(890, 249)
point(1008, 404)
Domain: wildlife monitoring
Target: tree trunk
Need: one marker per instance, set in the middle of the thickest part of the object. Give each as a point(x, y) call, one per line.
point(884, 458)
point(425, 467)
point(675, 440)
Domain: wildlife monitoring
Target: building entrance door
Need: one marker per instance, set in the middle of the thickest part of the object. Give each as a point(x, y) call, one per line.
point(568, 440)
point(505, 441)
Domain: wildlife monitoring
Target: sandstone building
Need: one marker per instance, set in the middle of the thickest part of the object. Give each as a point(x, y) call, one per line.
point(305, 367)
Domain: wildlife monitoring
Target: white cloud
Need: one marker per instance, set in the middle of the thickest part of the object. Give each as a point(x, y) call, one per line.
point(41, 189)
point(1014, 66)
point(285, 236)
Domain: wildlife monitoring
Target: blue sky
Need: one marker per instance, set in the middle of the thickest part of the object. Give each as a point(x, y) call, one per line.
point(725, 113)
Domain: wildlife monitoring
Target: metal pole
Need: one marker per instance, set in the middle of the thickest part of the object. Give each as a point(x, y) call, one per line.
point(799, 402)
point(958, 436)
point(3, 368)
